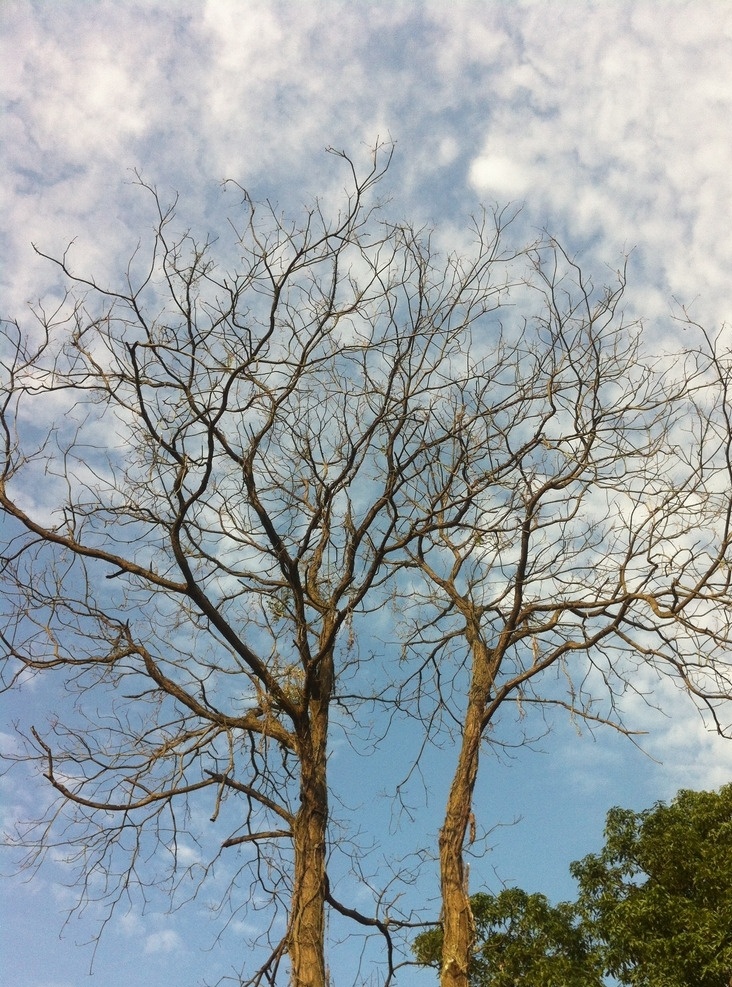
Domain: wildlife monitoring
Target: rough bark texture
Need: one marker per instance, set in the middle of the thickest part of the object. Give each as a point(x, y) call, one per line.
point(307, 913)
point(307, 922)
point(457, 917)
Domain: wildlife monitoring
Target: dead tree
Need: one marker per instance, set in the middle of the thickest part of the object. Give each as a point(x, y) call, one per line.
point(217, 473)
point(203, 486)
point(579, 540)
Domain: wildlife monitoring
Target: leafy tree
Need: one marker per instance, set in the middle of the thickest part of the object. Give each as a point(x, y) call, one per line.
point(654, 909)
point(659, 895)
point(222, 469)
point(522, 938)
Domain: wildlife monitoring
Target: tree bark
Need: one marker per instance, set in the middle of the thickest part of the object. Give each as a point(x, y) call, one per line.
point(307, 919)
point(457, 916)
point(306, 944)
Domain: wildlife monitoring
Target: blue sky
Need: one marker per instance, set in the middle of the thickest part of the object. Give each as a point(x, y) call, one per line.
point(610, 122)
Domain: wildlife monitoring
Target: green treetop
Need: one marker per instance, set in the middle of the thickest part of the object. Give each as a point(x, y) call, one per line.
point(522, 938)
point(659, 895)
point(654, 909)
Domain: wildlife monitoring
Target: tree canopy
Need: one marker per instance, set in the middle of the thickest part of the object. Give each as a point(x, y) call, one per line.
point(654, 908)
point(522, 938)
point(659, 895)
point(318, 481)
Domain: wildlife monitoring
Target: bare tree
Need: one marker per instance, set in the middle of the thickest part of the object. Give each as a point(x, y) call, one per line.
point(216, 492)
point(580, 538)
point(214, 477)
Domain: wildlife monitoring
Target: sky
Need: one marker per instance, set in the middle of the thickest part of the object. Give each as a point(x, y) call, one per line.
point(609, 123)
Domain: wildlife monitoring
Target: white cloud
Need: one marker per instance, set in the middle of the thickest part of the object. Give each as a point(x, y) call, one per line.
point(187, 854)
point(131, 924)
point(691, 754)
point(499, 176)
point(165, 941)
point(683, 751)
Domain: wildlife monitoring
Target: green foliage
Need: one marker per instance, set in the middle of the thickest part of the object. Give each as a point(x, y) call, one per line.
point(654, 909)
point(659, 895)
point(521, 938)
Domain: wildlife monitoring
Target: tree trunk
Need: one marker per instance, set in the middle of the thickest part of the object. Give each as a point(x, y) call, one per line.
point(306, 943)
point(457, 915)
point(307, 917)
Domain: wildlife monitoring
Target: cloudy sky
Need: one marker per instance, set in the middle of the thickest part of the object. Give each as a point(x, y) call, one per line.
point(610, 122)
